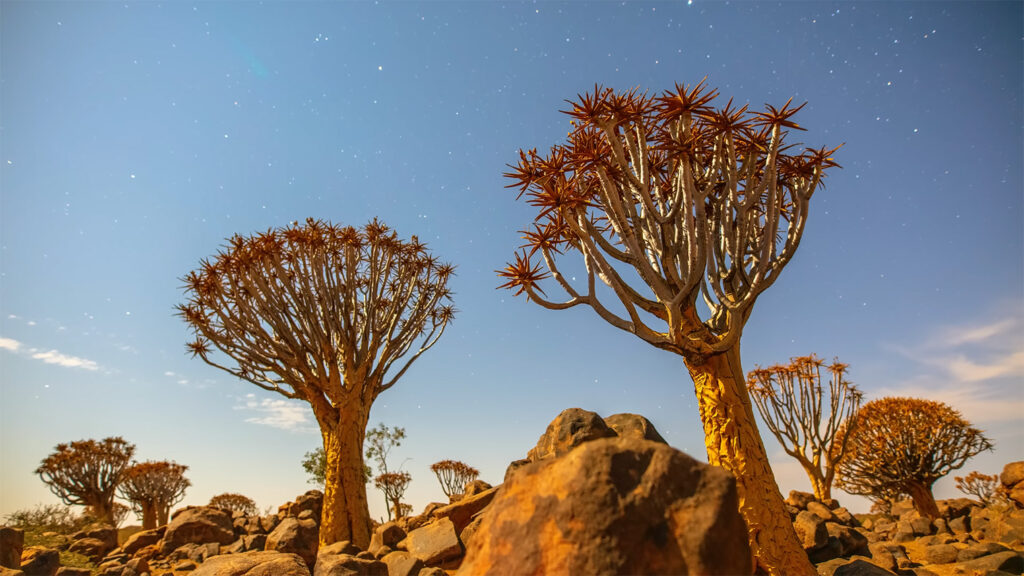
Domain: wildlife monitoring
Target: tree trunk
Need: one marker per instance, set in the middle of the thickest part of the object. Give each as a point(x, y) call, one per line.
point(822, 491)
point(924, 501)
point(163, 511)
point(148, 515)
point(103, 510)
point(346, 514)
point(734, 443)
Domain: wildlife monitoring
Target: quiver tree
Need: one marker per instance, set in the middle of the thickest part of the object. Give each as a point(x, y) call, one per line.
point(987, 489)
point(152, 488)
point(805, 418)
point(234, 503)
point(668, 202)
point(393, 485)
point(903, 445)
point(453, 476)
point(87, 473)
point(379, 441)
point(327, 314)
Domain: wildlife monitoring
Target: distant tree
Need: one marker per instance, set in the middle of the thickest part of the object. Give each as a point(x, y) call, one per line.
point(120, 513)
point(379, 442)
point(453, 476)
point(327, 314)
point(903, 445)
point(152, 488)
point(987, 489)
point(234, 503)
point(48, 518)
point(681, 211)
point(393, 484)
point(315, 464)
point(87, 472)
point(805, 420)
point(403, 510)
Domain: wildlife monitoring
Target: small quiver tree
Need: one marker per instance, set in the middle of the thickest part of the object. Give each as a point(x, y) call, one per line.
point(234, 503)
point(668, 202)
point(152, 488)
point(804, 418)
point(87, 473)
point(453, 476)
point(904, 445)
point(393, 485)
point(330, 315)
point(987, 489)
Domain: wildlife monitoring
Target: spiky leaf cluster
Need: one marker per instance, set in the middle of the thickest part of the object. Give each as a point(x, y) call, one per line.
point(805, 416)
point(234, 503)
point(987, 489)
point(453, 476)
point(698, 202)
point(87, 472)
point(393, 484)
point(158, 484)
point(318, 309)
point(900, 441)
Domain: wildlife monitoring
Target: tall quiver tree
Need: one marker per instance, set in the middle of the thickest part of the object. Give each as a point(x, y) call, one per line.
point(805, 419)
point(87, 473)
point(668, 202)
point(327, 314)
point(152, 488)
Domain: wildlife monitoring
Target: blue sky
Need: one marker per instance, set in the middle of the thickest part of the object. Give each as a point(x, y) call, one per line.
point(136, 137)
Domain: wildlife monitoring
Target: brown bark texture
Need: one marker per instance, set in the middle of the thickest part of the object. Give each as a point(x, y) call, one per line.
point(734, 443)
point(346, 513)
point(924, 500)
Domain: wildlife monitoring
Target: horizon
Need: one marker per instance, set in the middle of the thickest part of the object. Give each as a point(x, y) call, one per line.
point(136, 138)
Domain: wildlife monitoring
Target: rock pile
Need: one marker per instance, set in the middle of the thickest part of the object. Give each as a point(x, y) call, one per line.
point(594, 496)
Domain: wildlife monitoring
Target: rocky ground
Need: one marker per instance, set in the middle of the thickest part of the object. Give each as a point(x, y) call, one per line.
point(594, 496)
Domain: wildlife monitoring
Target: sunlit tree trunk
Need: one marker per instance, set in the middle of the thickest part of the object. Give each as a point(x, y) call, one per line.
point(345, 512)
point(734, 443)
point(103, 510)
point(924, 500)
point(148, 515)
point(163, 512)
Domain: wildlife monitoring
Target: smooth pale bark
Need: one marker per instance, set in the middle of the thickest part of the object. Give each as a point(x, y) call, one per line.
point(346, 513)
point(924, 500)
point(163, 512)
point(148, 515)
point(734, 443)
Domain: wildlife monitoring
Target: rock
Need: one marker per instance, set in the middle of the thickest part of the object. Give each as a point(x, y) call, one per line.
point(140, 540)
point(5, 571)
point(1013, 474)
point(92, 548)
point(799, 499)
point(297, 537)
point(959, 525)
point(348, 565)
point(939, 554)
point(613, 506)
point(1017, 494)
point(434, 543)
point(342, 547)
point(475, 487)
point(843, 516)
point(434, 506)
point(901, 507)
point(263, 563)
point(824, 512)
point(39, 561)
point(103, 532)
point(955, 507)
point(198, 524)
point(857, 567)
point(810, 529)
point(883, 554)
point(268, 523)
point(1007, 526)
point(633, 426)
point(402, 564)
point(461, 513)
point(313, 501)
point(513, 466)
point(568, 430)
point(12, 542)
point(979, 549)
point(69, 571)
point(1008, 561)
point(388, 534)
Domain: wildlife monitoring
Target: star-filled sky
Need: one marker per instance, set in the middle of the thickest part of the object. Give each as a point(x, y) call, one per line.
point(136, 137)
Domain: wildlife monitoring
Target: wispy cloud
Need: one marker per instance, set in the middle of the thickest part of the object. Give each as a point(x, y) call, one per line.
point(48, 356)
point(277, 413)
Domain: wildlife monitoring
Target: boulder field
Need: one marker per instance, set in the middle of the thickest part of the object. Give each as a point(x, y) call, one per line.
point(594, 496)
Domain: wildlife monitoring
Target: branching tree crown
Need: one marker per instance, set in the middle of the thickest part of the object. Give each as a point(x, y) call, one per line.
point(234, 503)
point(453, 476)
point(393, 485)
point(87, 473)
point(152, 488)
point(903, 445)
point(987, 489)
point(329, 314)
point(806, 421)
point(698, 202)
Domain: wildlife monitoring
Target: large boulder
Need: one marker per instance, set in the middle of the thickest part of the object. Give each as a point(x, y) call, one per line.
point(12, 542)
point(261, 563)
point(572, 427)
point(633, 426)
point(141, 539)
point(1013, 474)
point(612, 506)
point(40, 561)
point(348, 565)
point(434, 543)
point(198, 525)
point(461, 512)
point(105, 533)
point(296, 536)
